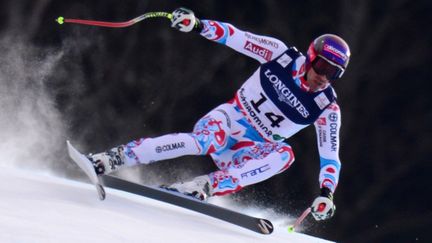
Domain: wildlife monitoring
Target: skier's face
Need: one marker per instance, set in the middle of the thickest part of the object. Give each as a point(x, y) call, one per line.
point(315, 81)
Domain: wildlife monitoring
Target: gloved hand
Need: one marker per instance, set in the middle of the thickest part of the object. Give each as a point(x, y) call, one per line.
point(184, 20)
point(323, 207)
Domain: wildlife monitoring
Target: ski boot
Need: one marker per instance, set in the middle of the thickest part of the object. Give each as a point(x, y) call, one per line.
point(107, 162)
point(198, 188)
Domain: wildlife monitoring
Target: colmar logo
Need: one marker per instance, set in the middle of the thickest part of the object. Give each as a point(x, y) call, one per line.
point(333, 117)
point(259, 50)
point(169, 147)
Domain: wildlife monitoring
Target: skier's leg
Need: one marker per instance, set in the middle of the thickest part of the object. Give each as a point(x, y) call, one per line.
point(144, 151)
point(210, 135)
point(251, 164)
point(212, 132)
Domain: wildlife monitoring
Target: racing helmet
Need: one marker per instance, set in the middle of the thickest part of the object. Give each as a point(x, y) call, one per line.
point(329, 55)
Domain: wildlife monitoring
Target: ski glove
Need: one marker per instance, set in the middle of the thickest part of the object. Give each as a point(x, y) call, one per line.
point(323, 207)
point(184, 20)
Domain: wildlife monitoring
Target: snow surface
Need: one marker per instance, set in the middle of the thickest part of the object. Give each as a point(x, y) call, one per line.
point(43, 208)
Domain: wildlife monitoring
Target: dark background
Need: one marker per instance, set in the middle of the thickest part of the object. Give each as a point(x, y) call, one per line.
point(111, 86)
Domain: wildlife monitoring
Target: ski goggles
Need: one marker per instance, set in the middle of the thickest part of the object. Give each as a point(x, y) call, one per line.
point(322, 66)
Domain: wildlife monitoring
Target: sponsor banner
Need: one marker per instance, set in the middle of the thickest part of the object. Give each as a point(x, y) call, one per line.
point(256, 171)
point(261, 40)
point(170, 147)
point(322, 135)
point(333, 118)
point(334, 51)
point(285, 94)
point(258, 50)
point(253, 115)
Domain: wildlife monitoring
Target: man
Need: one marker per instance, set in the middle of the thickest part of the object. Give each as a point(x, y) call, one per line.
point(246, 137)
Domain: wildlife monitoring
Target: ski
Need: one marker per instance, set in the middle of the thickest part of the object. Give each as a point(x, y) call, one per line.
point(259, 225)
point(86, 166)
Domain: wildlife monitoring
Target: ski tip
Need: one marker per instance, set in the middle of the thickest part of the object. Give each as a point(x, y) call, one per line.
point(265, 226)
point(70, 147)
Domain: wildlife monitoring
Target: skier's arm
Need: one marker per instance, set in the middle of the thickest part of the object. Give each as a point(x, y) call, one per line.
point(327, 128)
point(261, 48)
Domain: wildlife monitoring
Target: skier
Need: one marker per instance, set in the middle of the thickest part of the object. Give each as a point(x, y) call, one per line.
point(246, 137)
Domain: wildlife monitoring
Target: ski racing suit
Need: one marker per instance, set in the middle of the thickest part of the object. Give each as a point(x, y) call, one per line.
point(246, 136)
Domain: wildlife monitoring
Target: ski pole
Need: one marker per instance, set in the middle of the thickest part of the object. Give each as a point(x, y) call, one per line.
point(62, 20)
point(299, 220)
